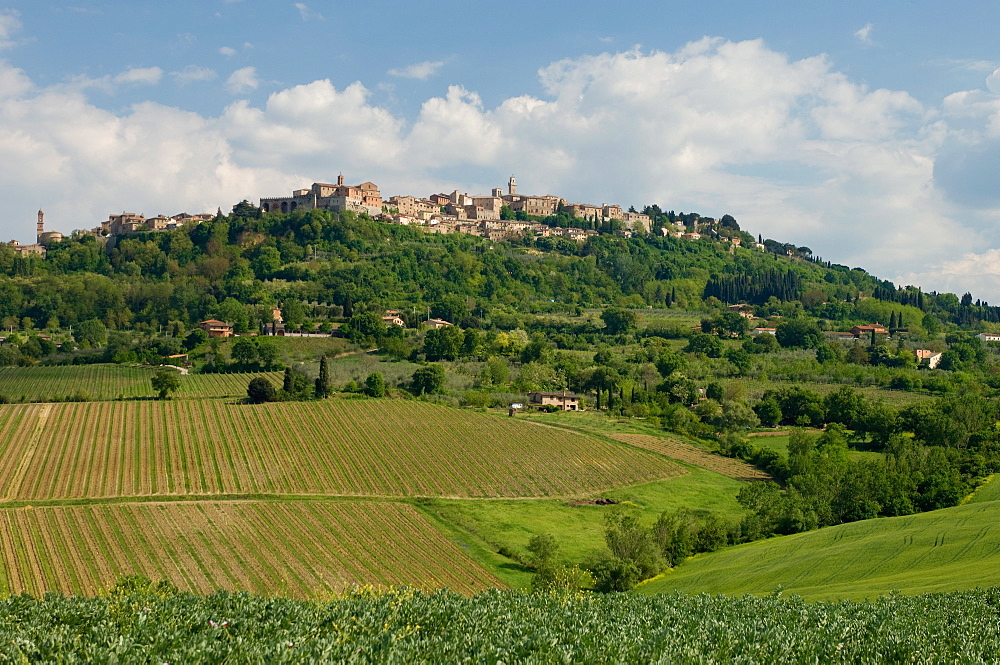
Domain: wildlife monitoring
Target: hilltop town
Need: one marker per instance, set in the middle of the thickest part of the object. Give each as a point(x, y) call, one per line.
point(497, 216)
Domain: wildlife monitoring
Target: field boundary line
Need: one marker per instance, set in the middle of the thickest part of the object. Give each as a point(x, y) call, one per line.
point(29, 452)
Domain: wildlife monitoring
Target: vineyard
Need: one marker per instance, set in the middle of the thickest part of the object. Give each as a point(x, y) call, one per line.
point(685, 452)
point(952, 548)
point(108, 382)
point(294, 548)
point(335, 447)
point(138, 622)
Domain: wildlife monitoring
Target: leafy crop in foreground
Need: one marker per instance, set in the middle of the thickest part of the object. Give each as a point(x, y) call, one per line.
point(139, 622)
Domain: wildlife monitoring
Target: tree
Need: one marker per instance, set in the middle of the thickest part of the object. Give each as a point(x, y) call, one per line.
point(267, 352)
point(710, 345)
point(543, 548)
point(246, 209)
point(428, 379)
point(194, 338)
point(799, 333)
point(618, 321)
point(322, 388)
point(244, 351)
point(165, 381)
point(261, 390)
point(443, 343)
point(375, 385)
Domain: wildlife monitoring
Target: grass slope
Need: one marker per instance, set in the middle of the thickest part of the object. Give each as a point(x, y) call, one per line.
point(336, 447)
point(303, 549)
point(951, 549)
point(485, 527)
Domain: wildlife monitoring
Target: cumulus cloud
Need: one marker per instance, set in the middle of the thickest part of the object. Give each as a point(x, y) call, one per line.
point(194, 74)
point(227, 51)
point(420, 71)
point(10, 24)
point(243, 80)
point(794, 149)
point(145, 75)
point(864, 35)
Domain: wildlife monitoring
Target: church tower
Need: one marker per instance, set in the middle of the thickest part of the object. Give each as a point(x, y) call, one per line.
point(512, 186)
point(41, 226)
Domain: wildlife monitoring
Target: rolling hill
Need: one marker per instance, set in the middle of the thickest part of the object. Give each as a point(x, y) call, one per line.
point(944, 550)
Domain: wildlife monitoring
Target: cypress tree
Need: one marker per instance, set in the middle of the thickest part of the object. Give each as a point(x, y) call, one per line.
point(323, 381)
point(287, 384)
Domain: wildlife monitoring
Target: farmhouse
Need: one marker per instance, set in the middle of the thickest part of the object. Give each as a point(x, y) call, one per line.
point(434, 324)
point(216, 328)
point(989, 337)
point(868, 329)
point(564, 401)
point(928, 357)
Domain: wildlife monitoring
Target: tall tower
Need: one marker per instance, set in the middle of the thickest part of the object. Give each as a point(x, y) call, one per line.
point(41, 226)
point(512, 186)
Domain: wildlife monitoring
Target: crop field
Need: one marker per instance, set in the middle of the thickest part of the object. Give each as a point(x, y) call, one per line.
point(943, 550)
point(201, 386)
point(336, 447)
point(108, 382)
point(303, 549)
point(45, 383)
point(139, 624)
point(685, 452)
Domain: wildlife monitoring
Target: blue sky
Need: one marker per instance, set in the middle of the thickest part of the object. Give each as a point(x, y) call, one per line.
point(867, 131)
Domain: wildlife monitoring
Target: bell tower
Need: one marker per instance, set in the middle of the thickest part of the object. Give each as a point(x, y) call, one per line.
point(512, 186)
point(41, 226)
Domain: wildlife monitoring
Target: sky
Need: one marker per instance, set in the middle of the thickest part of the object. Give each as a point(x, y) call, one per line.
point(869, 132)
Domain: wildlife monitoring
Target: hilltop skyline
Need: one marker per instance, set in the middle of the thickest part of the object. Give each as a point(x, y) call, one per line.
point(867, 134)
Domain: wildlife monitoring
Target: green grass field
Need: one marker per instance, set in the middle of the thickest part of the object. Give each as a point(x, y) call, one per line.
point(988, 491)
point(950, 549)
point(578, 526)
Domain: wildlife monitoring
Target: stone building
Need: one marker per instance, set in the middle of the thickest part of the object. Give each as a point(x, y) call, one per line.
point(326, 196)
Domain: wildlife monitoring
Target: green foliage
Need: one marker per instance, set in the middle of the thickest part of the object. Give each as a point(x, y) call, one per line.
point(618, 321)
point(155, 624)
point(798, 333)
point(261, 390)
point(165, 381)
point(375, 385)
point(428, 379)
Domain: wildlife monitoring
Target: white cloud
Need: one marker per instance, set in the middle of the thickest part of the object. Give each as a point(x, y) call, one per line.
point(10, 24)
point(306, 13)
point(420, 71)
point(227, 51)
point(794, 149)
point(194, 74)
point(243, 80)
point(864, 35)
point(145, 75)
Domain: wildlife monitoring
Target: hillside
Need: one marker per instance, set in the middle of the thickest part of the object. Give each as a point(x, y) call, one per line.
point(337, 447)
point(948, 549)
